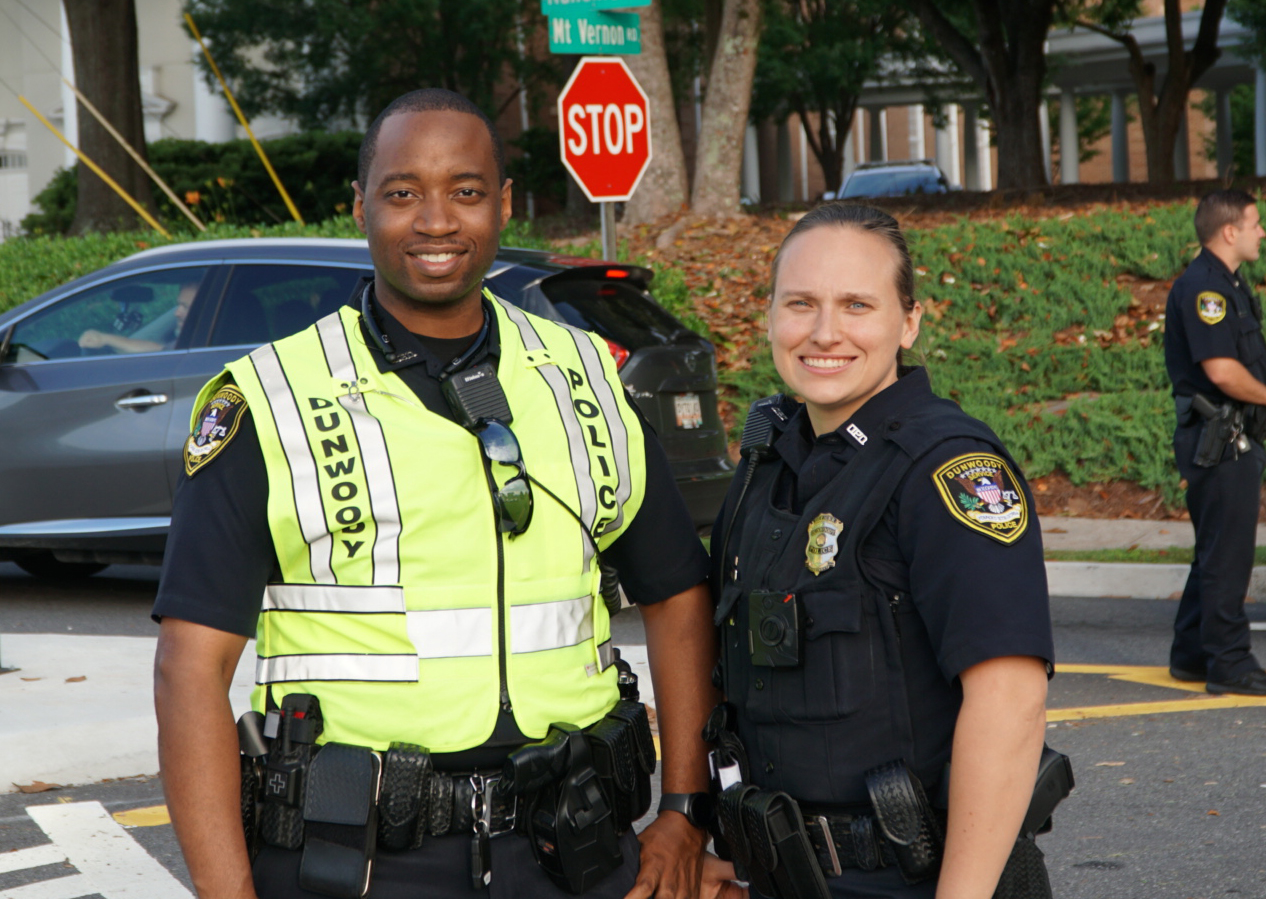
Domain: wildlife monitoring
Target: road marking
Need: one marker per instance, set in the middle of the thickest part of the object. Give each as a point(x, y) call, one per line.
point(1154, 676)
point(34, 857)
point(151, 816)
point(72, 887)
point(114, 864)
point(1257, 625)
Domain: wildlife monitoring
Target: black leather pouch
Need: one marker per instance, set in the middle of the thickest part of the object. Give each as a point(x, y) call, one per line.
point(404, 800)
point(340, 820)
point(780, 846)
point(906, 818)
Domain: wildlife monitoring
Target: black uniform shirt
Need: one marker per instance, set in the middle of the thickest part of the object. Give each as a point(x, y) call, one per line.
point(977, 598)
point(1211, 313)
point(220, 555)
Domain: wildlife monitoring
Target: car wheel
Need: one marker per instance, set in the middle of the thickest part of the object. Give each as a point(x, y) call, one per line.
point(46, 565)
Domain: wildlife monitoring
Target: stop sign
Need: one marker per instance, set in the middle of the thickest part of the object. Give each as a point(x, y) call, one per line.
point(604, 128)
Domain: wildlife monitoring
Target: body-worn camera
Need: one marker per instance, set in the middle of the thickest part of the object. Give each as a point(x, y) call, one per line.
point(774, 634)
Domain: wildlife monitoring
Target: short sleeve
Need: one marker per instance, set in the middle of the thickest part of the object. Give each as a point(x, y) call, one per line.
point(219, 552)
point(967, 527)
point(659, 554)
point(1208, 324)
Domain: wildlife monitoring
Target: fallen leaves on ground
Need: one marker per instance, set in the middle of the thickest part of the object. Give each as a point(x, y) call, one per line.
point(37, 786)
point(75, 680)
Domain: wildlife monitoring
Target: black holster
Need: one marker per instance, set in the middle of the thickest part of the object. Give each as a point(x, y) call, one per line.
point(1024, 876)
point(571, 825)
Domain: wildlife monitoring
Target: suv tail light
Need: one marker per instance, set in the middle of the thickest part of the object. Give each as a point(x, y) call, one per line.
point(619, 353)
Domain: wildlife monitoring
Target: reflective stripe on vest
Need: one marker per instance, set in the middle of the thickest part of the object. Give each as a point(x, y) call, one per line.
point(336, 667)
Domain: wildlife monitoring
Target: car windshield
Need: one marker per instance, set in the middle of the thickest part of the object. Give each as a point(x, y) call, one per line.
point(892, 183)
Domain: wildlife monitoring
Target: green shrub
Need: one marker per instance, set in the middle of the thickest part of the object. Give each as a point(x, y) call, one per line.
point(226, 183)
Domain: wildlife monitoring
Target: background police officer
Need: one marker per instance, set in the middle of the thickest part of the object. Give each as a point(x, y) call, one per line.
point(1214, 348)
point(432, 198)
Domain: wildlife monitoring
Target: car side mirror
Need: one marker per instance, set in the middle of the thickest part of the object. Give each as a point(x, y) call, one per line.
point(5, 341)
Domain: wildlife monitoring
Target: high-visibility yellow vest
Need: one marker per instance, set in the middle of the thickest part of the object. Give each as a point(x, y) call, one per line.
point(401, 605)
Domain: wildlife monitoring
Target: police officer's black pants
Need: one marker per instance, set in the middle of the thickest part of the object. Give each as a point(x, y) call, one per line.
point(1211, 630)
point(441, 870)
point(885, 883)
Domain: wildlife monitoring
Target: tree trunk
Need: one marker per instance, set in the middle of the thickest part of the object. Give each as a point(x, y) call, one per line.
point(104, 47)
point(663, 188)
point(720, 153)
point(1161, 112)
point(1017, 122)
point(1007, 62)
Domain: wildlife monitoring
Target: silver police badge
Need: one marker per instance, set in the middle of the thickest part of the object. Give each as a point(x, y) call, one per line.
point(824, 535)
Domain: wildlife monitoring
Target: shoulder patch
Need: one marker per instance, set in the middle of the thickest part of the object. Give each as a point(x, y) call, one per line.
point(1211, 307)
point(981, 492)
point(215, 426)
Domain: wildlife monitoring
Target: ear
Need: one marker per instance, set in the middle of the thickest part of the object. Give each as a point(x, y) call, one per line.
point(358, 206)
point(506, 202)
point(910, 331)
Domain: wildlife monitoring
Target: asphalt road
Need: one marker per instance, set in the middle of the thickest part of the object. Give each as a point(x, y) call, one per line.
point(1168, 806)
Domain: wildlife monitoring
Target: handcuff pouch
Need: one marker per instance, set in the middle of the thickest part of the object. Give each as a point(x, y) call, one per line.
point(906, 818)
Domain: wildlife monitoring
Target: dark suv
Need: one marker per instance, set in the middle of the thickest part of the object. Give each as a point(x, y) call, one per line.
point(98, 377)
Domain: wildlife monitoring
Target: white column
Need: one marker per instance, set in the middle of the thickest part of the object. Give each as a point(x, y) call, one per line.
point(971, 150)
point(850, 152)
point(1182, 151)
point(1259, 122)
point(70, 106)
point(878, 124)
point(1069, 146)
point(1044, 126)
point(916, 145)
point(213, 121)
point(984, 154)
point(1120, 139)
point(804, 162)
point(750, 189)
point(1223, 127)
point(947, 146)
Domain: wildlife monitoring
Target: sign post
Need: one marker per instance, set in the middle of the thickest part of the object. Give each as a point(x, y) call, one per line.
point(605, 135)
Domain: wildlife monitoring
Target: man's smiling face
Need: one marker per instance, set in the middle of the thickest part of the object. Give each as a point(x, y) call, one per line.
point(433, 208)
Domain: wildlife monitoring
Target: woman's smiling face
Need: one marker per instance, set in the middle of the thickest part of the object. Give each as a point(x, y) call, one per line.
point(837, 321)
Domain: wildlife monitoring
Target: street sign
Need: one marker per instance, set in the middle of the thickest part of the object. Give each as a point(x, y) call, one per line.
point(595, 32)
point(604, 129)
point(559, 7)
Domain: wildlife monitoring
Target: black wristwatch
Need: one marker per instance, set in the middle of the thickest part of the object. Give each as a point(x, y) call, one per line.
point(697, 807)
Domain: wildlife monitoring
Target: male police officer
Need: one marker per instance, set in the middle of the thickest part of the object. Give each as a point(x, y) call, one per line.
point(427, 574)
point(1216, 358)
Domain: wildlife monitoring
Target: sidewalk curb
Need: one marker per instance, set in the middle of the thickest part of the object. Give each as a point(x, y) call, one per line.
point(1131, 580)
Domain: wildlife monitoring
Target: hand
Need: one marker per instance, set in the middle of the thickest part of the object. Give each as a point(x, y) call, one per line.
point(672, 859)
point(92, 339)
point(718, 880)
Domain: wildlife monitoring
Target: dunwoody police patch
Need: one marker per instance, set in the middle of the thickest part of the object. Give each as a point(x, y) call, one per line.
point(824, 543)
point(216, 425)
point(980, 491)
point(1211, 307)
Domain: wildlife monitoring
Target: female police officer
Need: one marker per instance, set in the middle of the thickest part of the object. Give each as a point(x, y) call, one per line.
point(881, 595)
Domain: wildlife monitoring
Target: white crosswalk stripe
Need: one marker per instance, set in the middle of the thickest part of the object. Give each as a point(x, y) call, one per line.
point(72, 887)
point(34, 857)
point(110, 862)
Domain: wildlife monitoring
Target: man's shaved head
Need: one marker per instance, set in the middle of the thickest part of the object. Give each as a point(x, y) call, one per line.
point(426, 100)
